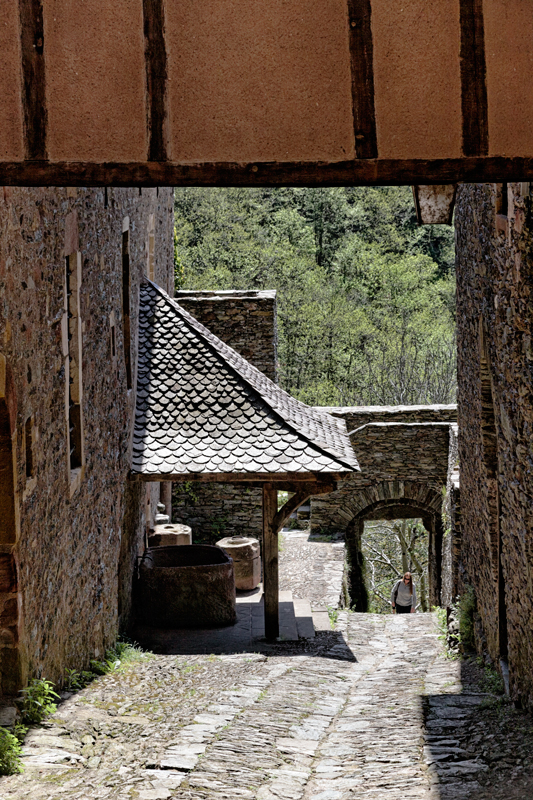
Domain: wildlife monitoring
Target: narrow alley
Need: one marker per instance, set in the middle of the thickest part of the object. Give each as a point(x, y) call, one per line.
point(372, 709)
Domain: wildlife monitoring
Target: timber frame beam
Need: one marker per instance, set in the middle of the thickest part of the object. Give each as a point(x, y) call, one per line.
point(356, 172)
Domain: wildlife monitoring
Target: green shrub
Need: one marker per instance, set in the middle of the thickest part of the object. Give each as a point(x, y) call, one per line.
point(38, 701)
point(10, 752)
point(466, 607)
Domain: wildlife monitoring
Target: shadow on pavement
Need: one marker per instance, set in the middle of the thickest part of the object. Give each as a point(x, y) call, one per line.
point(243, 637)
point(477, 745)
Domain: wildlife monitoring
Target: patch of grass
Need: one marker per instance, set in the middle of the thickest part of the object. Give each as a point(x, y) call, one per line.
point(10, 752)
point(38, 701)
point(117, 658)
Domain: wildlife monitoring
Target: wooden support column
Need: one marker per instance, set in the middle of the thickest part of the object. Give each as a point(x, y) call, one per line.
point(273, 521)
point(270, 561)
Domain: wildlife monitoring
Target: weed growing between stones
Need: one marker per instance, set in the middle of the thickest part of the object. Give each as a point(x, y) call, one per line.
point(38, 701)
point(465, 608)
point(333, 614)
point(115, 659)
point(491, 680)
point(10, 750)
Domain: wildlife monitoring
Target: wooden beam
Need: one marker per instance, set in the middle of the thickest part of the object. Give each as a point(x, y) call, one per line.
point(302, 494)
point(284, 481)
point(273, 521)
point(358, 172)
point(473, 79)
point(156, 78)
point(362, 67)
point(270, 561)
point(33, 78)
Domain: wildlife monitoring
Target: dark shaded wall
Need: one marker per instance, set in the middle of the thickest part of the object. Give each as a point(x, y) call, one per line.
point(495, 373)
point(66, 554)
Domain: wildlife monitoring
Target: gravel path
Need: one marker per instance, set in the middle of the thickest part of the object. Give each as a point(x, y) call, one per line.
point(372, 710)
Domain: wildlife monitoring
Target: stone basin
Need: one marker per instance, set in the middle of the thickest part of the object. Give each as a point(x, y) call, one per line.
point(187, 586)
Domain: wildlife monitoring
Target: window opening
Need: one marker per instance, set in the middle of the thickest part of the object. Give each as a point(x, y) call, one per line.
point(490, 454)
point(126, 301)
point(73, 359)
point(151, 247)
point(28, 445)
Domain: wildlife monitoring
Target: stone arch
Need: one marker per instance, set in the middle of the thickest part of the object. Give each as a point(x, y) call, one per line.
point(10, 671)
point(390, 500)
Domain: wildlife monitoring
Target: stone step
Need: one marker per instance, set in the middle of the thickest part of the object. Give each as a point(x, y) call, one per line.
point(304, 619)
point(253, 596)
point(288, 630)
point(321, 621)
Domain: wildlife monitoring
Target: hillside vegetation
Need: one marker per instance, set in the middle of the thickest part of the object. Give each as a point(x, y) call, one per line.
point(366, 297)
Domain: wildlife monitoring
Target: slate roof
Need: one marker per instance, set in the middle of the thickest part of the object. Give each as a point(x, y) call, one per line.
point(202, 408)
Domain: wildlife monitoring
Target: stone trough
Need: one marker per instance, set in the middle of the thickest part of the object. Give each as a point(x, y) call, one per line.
point(191, 586)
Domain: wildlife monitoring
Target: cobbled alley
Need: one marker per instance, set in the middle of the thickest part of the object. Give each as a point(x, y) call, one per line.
point(371, 710)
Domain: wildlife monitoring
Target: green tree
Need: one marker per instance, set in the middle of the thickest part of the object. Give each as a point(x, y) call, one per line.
point(365, 295)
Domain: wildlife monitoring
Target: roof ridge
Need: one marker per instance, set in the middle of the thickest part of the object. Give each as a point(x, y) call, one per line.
point(241, 367)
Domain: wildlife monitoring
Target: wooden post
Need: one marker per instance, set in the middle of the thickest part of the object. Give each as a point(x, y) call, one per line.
point(270, 561)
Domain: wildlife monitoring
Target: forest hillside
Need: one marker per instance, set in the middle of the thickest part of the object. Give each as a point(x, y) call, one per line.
point(366, 297)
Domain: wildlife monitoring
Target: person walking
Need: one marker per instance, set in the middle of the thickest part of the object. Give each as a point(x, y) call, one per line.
point(403, 595)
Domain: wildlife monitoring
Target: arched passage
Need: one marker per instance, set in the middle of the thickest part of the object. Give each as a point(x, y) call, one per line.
point(416, 502)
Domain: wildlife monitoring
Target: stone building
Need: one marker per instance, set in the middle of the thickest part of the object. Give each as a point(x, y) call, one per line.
point(246, 320)
point(493, 542)
point(71, 262)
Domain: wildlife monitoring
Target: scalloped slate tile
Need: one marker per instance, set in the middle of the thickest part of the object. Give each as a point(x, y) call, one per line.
point(201, 407)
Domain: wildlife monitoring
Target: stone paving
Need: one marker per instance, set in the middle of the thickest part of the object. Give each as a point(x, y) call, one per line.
point(311, 567)
point(372, 710)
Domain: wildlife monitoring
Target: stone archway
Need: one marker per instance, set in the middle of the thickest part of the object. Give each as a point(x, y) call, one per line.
point(392, 500)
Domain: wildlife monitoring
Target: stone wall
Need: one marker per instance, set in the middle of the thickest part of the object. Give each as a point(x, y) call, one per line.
point(495, 373)
point(246, 320)
point(67, 551)
point(404, 455)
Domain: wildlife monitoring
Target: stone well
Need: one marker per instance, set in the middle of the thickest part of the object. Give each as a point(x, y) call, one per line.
point(245, 552)
point(186, 587)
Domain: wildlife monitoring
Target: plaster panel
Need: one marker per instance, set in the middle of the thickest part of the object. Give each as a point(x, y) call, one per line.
point(259, 81)
point(11, 142)
point(509, 56)
point(417, 79)
point(95, 74)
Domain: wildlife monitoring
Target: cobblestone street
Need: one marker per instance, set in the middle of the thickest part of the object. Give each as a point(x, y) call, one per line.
point(370, 710)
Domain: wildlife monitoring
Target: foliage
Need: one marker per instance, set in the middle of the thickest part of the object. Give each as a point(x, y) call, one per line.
point(116, 658)
point(38, 701)
point(390, 549)
point(333, 614)
point(466, 607)
point(365, 295)
point(491, 681)
point(10, 752)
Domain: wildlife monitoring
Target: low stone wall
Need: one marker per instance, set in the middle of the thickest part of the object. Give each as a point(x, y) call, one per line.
point(216, 510)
